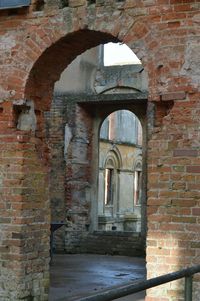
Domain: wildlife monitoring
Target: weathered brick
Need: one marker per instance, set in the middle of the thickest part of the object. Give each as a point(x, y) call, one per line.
point(193, 169)
point(185, 153)
point(76, 3)
point(174, 95)
point(196, 211)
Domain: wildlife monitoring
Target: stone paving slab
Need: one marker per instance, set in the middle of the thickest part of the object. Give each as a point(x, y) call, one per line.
point(76, 276)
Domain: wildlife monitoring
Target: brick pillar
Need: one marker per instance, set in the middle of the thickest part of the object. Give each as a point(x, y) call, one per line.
point(173, 197)
point(24, 213)
point(78, 178)
point(55, 126)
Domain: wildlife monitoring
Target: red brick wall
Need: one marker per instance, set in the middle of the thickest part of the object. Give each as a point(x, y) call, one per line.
point(34, 48)
point(24, 211)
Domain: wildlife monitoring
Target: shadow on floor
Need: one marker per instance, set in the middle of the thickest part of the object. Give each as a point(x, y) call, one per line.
point(76, 276)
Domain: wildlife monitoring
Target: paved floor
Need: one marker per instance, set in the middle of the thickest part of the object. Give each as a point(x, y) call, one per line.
point(76, 276)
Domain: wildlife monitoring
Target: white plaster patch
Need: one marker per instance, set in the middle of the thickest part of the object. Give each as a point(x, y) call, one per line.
point(196, 18)
point(191, 67)
point(5, 94)
point(68, 137)
point(27, 119)
point(7, 42)
point(1, 180)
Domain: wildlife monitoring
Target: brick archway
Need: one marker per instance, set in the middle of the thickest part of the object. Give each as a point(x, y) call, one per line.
point(36, 85)
point(49, 48)
point(48, 68)
point(163, 36)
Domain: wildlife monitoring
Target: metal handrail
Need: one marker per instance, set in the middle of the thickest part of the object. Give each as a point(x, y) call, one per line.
point(142, 285)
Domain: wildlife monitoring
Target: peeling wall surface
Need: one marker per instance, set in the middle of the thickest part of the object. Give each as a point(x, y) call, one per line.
point(37, 43)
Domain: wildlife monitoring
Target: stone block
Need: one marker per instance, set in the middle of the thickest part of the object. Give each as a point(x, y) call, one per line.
point(77, 3)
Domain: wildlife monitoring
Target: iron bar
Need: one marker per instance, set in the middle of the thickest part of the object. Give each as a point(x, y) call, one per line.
point(188, 288)
point(141, 285)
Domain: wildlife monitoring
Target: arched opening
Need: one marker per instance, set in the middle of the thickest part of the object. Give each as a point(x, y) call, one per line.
point(55, 59)
point(82, 89)
point(120, 173)
point(72, 126)
point(36, 46)
point(138, 182)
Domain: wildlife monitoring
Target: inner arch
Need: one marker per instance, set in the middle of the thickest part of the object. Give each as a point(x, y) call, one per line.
point(56, 58)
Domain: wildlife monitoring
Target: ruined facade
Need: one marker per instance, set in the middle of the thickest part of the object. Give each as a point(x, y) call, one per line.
point(37, 43)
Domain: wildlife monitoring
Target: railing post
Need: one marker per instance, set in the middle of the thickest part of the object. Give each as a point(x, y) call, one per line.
point(188, 288)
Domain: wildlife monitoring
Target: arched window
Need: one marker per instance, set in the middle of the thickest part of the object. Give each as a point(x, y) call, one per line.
point(109, 182)
point(111, 168)
point(120, 172)
point(137, 182)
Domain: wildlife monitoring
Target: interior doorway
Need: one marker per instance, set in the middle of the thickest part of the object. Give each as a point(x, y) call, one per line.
point(120, 173)
point(86, 94)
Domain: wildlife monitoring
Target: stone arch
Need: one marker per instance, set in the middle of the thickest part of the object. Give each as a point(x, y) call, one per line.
point(138, 163)
point(115, 156)
point(122, 89)
point(111, 166)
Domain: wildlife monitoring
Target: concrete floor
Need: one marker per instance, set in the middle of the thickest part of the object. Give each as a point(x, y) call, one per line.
point(76, 276)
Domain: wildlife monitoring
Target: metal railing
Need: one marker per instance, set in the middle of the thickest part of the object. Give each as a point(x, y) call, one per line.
point(142, 285)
